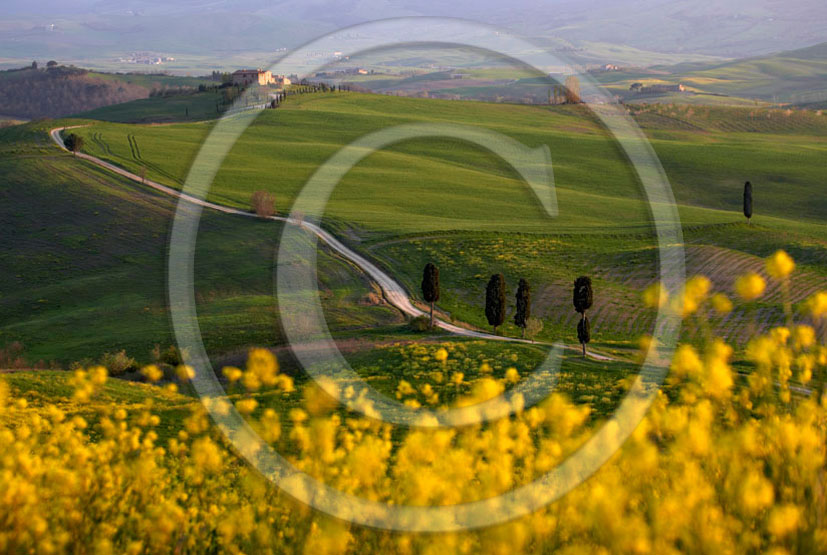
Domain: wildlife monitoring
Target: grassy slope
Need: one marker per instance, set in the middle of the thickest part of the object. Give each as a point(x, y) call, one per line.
point(184, 107)
point(621, 266)
point(707, 153)
point(46, 387)
point(85, 263)
point(461, 187)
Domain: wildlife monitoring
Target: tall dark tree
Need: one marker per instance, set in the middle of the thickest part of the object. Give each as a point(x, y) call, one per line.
point(583, 298)
point(495, 301)
point(430, 286)
point(523, 312)
point(748, 201)
point(584, 334)
point(73, 142)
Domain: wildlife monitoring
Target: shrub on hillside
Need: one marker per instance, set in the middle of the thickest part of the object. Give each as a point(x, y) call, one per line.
point(171, 355)
point(263, 204)
point(11, 356)
point(420, 324)
point(119, 363)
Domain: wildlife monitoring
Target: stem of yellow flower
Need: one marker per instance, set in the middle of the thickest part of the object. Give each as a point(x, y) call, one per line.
point(788, 307)
point(703, 324)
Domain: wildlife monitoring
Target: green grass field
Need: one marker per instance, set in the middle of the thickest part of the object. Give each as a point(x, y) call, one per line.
point(454, 204)
point(87, 261)
point(54, 387)
point(158, 109)
point(438, 185)
point(84, 267)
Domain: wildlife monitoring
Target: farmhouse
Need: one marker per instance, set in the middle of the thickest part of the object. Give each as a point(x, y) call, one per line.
point(246, 77)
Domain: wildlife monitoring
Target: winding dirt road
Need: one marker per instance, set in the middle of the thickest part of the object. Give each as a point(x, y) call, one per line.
point(391, 289)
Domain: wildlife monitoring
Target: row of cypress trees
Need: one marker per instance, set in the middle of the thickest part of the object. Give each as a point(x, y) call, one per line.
point(495, 301)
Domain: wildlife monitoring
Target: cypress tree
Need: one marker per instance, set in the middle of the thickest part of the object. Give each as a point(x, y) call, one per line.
point(495, 301)
point(583, 298)
point(430, 286)
point(73, 142)
point(748, 201)
point(523, 312)
point(584, 333)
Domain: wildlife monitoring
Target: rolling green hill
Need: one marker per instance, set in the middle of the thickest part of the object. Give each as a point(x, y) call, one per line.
point(452, 203)
point(196, 106)
point(84, 264)
point(707, 153)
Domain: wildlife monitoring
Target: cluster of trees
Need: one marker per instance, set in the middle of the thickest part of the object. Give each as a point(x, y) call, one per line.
point(496, 306)
point(568, 93)
point(305, 87)
point(59, 91)
point(165, 92)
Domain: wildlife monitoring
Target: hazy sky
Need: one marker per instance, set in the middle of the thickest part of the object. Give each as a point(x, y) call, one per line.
point(731, 28)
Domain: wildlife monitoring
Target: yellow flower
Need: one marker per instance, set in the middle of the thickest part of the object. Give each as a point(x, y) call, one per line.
point(246, 406)
point(750, 286)
point(721, 303)
point(805, 337)
point(483, 390)
point(817, 305)
point(185, 372)
point(317, 400)
point(686, 362)
point(784, 520)
point(512, 375)
point(780, 265)
point(780, 334)
point(405, 388)
point(152, 373)
point(262, 369)
point(694, 292)
point(206, 454)
point(756, 492)
point(698, 287)
point(441, 355)
point(654, 296)
point(232, 373)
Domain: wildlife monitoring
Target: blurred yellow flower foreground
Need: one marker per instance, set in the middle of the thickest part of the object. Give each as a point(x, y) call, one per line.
point(725, 461)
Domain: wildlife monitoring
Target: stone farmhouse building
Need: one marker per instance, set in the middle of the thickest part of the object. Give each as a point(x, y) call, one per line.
point(247, 77)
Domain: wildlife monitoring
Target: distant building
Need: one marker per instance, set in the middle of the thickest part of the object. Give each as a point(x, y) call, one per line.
point(247, 77)
point(610, 67)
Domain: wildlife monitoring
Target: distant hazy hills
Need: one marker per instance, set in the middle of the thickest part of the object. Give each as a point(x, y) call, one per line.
point(89, 29)
point(796, 76)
